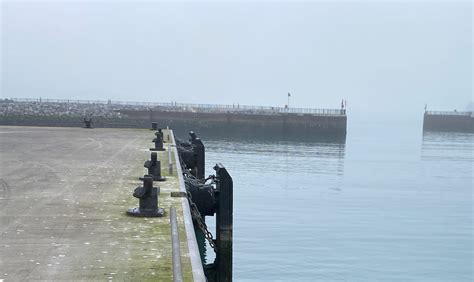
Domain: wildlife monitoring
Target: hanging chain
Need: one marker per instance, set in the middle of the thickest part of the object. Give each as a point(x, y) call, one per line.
point(194, 210)
point(201, 224)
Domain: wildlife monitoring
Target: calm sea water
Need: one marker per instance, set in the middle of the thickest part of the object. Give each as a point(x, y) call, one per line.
point(391, 204)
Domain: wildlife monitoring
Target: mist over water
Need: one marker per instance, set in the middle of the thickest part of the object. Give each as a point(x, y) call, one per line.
point(387, 203)
point(383, 57)
point(391, 203)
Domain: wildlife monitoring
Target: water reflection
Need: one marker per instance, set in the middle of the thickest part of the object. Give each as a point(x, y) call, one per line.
point(280, 156)
point(443, 146)
point(268, 171)
point(350, 206)
point(231, 134)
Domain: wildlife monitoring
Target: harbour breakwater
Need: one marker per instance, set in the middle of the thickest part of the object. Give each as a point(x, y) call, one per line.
point(209, 120)
point(451, 121)
point(246, 125)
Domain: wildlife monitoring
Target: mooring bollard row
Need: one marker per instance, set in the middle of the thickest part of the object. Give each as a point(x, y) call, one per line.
point(154, 167)
point(148, 207)
point(148, 199)
point(158, 140)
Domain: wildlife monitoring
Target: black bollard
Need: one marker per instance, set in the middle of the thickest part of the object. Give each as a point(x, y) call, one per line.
point(160, 131)
point(87, 123)
point(158, 140)
point(148, 198)
point(154, 167)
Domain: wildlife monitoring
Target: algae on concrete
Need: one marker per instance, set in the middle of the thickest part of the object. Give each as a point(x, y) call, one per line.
point(62, 212)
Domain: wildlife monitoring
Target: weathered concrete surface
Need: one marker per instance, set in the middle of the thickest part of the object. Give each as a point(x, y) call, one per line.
point(63, 197)
point(448, 123)
point(221, 120)
point(279, 125)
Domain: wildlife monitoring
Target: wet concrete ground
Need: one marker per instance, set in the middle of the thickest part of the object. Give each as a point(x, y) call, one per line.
point(63, 197)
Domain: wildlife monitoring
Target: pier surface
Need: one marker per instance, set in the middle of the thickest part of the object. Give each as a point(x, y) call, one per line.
point(63, 197)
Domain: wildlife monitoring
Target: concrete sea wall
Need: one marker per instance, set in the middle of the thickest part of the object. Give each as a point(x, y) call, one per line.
point(235, 124)
point(209, 120)
point(448, 123)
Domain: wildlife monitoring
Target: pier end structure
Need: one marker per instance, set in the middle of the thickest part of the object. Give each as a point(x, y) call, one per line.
point(448, 121)
point(69, 220)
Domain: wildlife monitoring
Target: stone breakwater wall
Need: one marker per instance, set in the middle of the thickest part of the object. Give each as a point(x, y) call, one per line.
point(65, 109)
point(66, 114)
point(207, 121)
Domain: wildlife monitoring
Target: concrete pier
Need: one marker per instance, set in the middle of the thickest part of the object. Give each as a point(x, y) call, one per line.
point(452, 121)
point(63, 197)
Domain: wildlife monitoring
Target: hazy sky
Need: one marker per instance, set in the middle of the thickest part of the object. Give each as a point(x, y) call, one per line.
point(389, 56)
